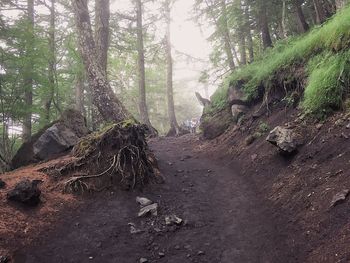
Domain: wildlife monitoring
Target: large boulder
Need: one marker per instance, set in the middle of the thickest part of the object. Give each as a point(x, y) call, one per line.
point(214, 124)
point(53, 140)
point(285, 139)
point(26, 192)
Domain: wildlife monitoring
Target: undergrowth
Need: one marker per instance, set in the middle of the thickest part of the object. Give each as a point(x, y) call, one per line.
point(322, 51)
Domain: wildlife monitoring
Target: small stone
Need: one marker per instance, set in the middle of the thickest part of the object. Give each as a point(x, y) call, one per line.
point(143, 260)
point(161, 254)
point(249, 140)
point(319, 126)
point(91, 258)
point(187, 247)
point(254, 157)
point(177, 247)
point(200, 253)
point(348, 126)
point(173, 219)
point(26, 192)
point(143, 201)
point(340, 197)
point(4, 259)
point(150, 209)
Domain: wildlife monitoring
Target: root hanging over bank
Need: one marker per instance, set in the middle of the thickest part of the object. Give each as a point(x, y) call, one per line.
point(117, 155)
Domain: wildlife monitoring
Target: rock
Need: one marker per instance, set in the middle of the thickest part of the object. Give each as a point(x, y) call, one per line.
point(284, 139)
point(143, 260)
point(340, 197)
point(319, 126)
point(56, 139)
point(26, 192)
point(150, 209)
point(173, 219)
point(200, 253)
point(161, 254)
point(52, 140)
point(254, 156)
point(2, 184)
point(133, 229)
point(249, 140)
point(237, 112)
point(348, 126)
point(142, 201)
point(4, 259)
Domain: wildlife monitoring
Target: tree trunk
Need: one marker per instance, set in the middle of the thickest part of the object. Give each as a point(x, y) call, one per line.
point(28, 80)
point(102, 13)
point(141, 67)
point(241, 35)
point(174, 127)
point(249, 34)
point(320, 14)
point(303, 25)
point(79, 93)
point(52, 62)
point(226, 36)
point(264, 26)
point(104, 98)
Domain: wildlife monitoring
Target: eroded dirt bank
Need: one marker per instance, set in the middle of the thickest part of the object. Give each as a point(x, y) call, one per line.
point(225, 219)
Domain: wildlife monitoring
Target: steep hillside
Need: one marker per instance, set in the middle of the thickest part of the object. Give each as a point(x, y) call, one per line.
point(302, 86)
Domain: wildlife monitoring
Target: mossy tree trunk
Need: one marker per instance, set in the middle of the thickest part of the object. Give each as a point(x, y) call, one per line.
point(264, 25)
point(102, 14)
point(104, 99)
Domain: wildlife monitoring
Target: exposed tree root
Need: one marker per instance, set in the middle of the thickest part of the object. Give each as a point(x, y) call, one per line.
point(117, 155)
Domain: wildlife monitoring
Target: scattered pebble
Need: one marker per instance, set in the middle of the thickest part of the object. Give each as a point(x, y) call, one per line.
point(143, 260)
point(161, 254)
point(200, 253)
point(143, 201)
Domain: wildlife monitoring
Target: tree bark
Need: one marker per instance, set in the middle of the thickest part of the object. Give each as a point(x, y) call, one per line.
point(104, 99)
point(264, 26)
point(320, 14)
point(52, 62)
point(28, 80)
point(79, 93)
point(102, 13)
point(226, 36)
point(248, 31)
point(242, 36)
point(303, 25)
point(141, 66)
point(174, 127)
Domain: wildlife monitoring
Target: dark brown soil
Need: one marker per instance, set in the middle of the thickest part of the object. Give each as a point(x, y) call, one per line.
point(226, 219)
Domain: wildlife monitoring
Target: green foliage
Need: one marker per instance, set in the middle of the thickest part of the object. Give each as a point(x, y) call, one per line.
point(322, 49)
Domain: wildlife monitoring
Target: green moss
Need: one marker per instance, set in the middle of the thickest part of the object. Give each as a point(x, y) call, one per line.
point(325, 88)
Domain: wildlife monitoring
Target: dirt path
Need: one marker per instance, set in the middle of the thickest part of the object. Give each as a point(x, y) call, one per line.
point(225, 220)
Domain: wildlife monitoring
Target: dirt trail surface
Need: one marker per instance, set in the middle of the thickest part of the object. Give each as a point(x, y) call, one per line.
point(225, 220)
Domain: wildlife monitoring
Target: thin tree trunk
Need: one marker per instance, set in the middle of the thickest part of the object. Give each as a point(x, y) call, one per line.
point(52, 62)
point(104, 98)
point(141, 67)
point(264, 26)
point(242, 37)
point(249, 34)
point(226, 36)
point(303, 25)
point(174, 127)
point(320, 14)
point(28, 80)
point(102, 13)
point(283, 21)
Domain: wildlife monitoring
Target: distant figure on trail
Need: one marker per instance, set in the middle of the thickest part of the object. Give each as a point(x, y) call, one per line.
point(194, 123)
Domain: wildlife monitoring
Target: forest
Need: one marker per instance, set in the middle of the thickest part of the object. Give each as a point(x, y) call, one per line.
point(184, 94)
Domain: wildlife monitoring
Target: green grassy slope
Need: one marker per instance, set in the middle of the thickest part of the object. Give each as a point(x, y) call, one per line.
point(323, 53)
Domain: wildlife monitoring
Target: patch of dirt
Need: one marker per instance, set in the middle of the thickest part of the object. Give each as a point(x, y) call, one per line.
point(300, 187)
point(20, 225)
point(224, 219)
